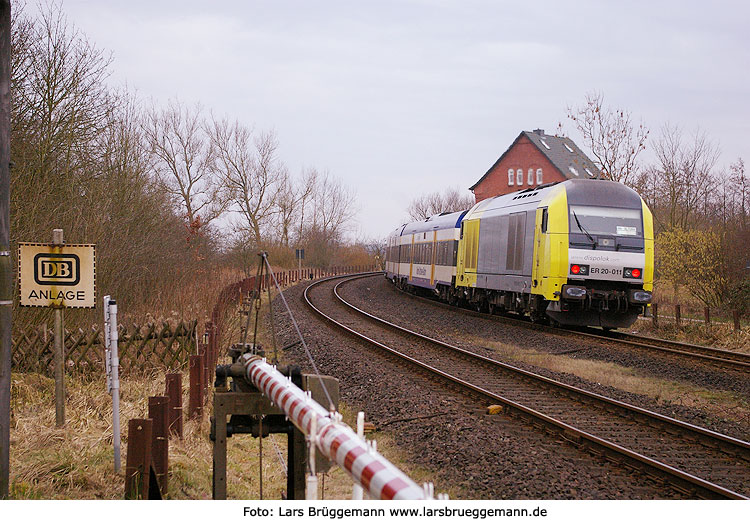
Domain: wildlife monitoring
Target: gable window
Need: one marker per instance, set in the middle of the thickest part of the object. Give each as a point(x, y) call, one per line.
point(511, 176)
point(519, 176)
point(530, 179)
point(538, 176)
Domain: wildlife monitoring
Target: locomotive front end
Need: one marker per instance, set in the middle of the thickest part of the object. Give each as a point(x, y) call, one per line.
point(607, 263)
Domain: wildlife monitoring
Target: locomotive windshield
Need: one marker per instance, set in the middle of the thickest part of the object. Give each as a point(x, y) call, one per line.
point(608, 221)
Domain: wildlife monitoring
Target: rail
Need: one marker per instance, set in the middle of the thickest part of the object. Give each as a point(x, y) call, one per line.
point(699, 485)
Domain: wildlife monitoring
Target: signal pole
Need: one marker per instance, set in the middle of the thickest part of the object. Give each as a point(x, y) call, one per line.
point(6, 269)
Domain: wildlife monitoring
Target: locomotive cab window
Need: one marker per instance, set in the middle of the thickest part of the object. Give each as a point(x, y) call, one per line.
point(544, 219)
point(608, 221)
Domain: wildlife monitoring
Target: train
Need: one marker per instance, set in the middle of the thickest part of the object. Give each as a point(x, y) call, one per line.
point(573, 253)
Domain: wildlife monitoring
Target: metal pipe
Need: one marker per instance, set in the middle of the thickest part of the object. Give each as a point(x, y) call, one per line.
point(115, 388)
point(333, 438)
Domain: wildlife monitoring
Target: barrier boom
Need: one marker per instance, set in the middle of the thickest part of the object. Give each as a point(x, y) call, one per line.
point(333, 438)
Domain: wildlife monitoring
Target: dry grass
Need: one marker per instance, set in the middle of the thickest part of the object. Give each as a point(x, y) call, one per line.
point(76, 462)
point(717, 335)
point(720, 403)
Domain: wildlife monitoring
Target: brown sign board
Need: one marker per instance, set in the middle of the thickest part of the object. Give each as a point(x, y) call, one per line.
point(51, 275)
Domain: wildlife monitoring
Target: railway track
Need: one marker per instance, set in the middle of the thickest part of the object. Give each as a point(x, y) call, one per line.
point(718, 357)
point(697, 461)
point(740, 361)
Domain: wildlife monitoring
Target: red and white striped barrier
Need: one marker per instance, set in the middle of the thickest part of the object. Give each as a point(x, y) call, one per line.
point(334, 439)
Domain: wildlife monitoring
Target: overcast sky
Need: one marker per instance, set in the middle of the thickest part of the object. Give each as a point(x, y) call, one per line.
point(400, 98)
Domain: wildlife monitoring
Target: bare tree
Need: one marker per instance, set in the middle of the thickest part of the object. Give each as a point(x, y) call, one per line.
point(680, 186)
point(184, 158)
point(427, 205)
point(740, 188)
point(60, 102)
point(251, 172)
point(291, 198)
point(610, 135)
point(333, 207)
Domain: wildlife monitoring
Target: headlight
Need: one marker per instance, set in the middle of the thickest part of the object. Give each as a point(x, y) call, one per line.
point(640, 297)
point(632, 272)
point(582, 270)
point(573, 292)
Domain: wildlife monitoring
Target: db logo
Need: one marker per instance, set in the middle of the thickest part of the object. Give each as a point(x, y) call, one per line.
point(57, 269)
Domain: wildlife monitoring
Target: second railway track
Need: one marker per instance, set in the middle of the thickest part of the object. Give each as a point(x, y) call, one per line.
point(698, 461)
point(734, 360)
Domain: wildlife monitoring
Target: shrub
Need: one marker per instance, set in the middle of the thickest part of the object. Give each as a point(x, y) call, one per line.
point(739, 296)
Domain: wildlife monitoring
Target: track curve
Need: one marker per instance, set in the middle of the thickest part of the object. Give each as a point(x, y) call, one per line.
point(714, 472)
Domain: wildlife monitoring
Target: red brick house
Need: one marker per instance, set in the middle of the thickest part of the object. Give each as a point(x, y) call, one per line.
point(534, 159)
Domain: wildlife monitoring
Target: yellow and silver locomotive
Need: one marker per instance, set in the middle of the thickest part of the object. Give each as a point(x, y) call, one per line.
point(579, 252)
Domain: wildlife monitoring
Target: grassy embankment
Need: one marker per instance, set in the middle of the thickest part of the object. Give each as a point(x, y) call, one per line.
point(76, 462)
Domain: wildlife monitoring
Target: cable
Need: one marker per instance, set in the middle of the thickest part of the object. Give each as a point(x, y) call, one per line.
point(331, 406)
point(278, 452)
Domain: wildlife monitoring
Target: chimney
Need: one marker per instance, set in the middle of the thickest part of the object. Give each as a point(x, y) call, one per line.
point(539, 131)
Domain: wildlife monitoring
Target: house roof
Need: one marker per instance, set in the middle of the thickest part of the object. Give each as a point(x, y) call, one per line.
point(562, 152)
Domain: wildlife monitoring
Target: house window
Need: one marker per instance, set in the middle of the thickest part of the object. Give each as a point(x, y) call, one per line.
point(530, 179)
point(519, 176)
point(538, 176)
point(511, 176)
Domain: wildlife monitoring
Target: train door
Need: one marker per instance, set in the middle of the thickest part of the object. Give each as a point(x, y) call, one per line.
point(411, 260)
point(468, 248)
point(432, 260)
point(540, 235)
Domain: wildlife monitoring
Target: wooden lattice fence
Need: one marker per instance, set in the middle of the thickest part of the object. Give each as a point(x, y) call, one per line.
point(139, 346)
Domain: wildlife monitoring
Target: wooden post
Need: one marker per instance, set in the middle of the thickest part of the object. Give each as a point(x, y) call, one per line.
point(174, 392)
point(138, 462)
point(736, 318)
point(195, 402)
point(677, 314)
point(707, 315)
point(57, 241)
point(655, 314)
point(158, 412)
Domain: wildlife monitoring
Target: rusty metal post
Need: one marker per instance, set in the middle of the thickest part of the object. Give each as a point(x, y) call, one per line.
point(195, 400)
point(174, 393)
point(158, 412)
point(707, 315)
point(138, 461)
point(655, 314)
point(677, 314)
point(736, 319)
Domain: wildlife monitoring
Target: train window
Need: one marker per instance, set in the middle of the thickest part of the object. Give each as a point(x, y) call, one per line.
point(538, 176)
point(544, 220)
point(519, 176)
point(530, 179)
point(590, 220)
point(511, 176)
